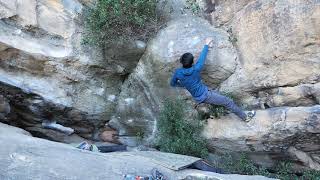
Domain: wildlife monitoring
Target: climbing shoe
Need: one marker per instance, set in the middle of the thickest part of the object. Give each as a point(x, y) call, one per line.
point(250, 116)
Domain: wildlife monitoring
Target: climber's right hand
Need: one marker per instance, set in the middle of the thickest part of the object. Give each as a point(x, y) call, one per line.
point(209, 41)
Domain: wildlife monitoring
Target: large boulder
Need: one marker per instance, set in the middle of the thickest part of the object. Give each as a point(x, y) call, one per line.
point(42, 58)
point(274, 134)
point(144, 91)
point(26, 157)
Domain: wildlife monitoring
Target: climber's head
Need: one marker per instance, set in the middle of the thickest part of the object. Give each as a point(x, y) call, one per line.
point(186, 60)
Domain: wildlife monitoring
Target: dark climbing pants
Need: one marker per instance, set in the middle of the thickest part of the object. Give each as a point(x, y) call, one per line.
point(214, 98)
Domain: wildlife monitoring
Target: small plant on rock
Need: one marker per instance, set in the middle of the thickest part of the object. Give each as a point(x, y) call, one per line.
point(194, 6)
point(140, 135)
point(178, 135)
point(232, 37)
point(311, 174)
point(284, 170)
point(115, 20)
point(242, 165)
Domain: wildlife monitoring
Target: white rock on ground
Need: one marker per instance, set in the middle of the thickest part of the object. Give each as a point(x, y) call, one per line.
point(29, 158)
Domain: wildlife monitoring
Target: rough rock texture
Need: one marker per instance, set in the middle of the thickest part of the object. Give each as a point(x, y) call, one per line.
point(146, 88)
point(278, 43)
point(41, 56)
point(300, 95)
point(272, 134)
point(29, 110)
point(30, 158)
point(225, 10)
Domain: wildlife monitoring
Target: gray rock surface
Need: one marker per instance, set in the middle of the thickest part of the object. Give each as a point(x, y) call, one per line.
point(30, 158)
point(273, 134)
point(41, 54)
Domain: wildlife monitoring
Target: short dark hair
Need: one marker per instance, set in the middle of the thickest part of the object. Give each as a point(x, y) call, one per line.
point(186, 60)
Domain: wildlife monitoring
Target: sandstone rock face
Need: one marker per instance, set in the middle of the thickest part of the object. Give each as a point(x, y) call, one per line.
point(224, 11)
point(27, 157)
point(146, 88)
point(41, 54)
point(270, 134)
point(300, 95)
point(278, 44)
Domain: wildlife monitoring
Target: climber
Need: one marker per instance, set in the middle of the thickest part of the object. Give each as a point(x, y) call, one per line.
point(189, 77)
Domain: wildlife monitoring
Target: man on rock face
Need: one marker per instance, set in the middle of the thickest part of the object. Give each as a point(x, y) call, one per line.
point(189, 77)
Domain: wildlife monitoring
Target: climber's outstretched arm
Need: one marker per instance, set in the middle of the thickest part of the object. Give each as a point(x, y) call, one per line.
point(201, 60)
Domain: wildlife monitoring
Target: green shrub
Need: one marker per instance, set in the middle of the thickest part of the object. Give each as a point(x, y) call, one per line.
point(217, 111)
point(311, 175)
point(283, 171)
point(140, 135)
point(194, 6)
point(178, 135)
point(241, 166)
point(114, 20)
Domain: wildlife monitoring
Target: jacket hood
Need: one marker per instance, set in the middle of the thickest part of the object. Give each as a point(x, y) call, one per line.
point(188, 71)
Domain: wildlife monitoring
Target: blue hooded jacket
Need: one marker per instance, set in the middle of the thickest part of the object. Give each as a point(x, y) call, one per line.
point(190, 78)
